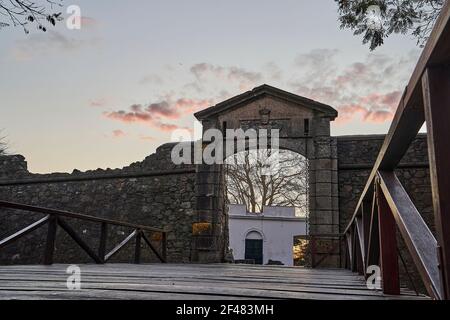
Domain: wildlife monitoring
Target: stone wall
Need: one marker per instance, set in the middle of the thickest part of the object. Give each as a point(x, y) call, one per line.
point(356, 156)
point(157, 193)
point(153, 192)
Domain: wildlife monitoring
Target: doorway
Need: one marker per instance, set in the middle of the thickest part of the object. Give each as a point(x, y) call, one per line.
point(254, 247)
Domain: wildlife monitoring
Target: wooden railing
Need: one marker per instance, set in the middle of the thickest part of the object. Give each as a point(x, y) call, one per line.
point(55, 218)
point(384, 205)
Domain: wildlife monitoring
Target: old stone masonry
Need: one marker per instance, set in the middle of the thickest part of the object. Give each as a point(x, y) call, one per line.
point(188, 200)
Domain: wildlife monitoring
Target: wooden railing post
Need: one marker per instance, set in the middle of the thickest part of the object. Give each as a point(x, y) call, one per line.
point(349, 246)
point(366, 213)
point(373, 248)
point(102, 244)
point(50, 242)
point(358, 251)
point(436, 96)
point(137, 247)
point(164, 246)
point(388, 246)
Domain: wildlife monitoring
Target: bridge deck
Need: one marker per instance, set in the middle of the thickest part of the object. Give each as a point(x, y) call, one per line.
point(175, 281)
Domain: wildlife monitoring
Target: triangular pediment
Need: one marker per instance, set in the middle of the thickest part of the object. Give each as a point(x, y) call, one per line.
point(261, 92)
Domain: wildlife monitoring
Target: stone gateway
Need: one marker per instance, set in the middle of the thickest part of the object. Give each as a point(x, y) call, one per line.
point(189, 201)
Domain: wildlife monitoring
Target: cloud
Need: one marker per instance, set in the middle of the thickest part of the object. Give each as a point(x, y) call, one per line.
point(152, 79)
point(99, 102)
point(366, 89)
point(375, 107)
point(167, 127)
point(242, 77)
point(128, 117)
point(147, 138)
point(156, 115)
point(88, 22)
point(45, 43)
point(273, 71)
point(118, 133)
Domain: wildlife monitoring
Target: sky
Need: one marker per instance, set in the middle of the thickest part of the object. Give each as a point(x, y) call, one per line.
point(110, 93)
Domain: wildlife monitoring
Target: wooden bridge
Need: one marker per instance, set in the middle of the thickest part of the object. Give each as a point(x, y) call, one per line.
point(370, 238)
point(164, 281)
point(188, 282)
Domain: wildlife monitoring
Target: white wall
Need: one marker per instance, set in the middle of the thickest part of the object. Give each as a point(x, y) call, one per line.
point(278, 228)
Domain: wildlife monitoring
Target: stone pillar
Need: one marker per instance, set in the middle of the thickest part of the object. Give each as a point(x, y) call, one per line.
point(324, 206)
point(209, 231)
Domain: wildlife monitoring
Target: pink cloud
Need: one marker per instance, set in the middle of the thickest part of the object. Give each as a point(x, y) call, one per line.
point(128, 117)
point(166, 127)
point(191, 105)
point(374, 107)
point(367, 89)
point(88, 22)
point(99, 102)
point(147, 138)
point(156, 114)
point(118, 133)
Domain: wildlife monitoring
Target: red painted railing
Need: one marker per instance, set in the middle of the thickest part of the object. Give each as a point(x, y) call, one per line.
point(384, 205)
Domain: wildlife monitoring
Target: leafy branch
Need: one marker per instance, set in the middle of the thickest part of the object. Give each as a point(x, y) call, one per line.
point(24, 13)
point(416, 17)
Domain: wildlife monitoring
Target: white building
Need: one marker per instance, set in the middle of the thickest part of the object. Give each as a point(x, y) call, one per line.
point(264, 236)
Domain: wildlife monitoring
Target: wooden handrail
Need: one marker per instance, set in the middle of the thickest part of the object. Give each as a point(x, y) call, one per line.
point(61, 213)
point(415, 232)
point(54, 218)
point(409, 116)
point(370, 234)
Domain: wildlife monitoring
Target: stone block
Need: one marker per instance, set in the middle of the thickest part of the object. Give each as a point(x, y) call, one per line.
point(323, 189)
point(206, 189)
point(328, 261)
point(207, 177)
point(334, 189)
point(324, 203)
point(323, 229)
point(321, 217)
point(205, 215)
point(205, 242)
point(205, 203)
point(323, 176)
point(323, 164)
point(335, 203)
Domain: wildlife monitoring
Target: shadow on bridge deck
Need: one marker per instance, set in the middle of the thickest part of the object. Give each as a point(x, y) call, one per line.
point(189, 281)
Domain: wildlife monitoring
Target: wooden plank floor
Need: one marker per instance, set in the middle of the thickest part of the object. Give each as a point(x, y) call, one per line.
point(188, 281)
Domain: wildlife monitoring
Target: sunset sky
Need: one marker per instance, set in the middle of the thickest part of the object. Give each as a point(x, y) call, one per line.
point(110, 93)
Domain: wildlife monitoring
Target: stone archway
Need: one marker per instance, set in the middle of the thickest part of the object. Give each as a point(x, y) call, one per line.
point(304, 127)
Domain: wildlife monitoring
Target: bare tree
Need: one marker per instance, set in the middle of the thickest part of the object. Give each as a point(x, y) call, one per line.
point(29, 12)
point(2, 146)
point(286, 186)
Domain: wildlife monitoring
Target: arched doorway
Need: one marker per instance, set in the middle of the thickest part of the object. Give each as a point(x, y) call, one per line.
point(254, 247)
